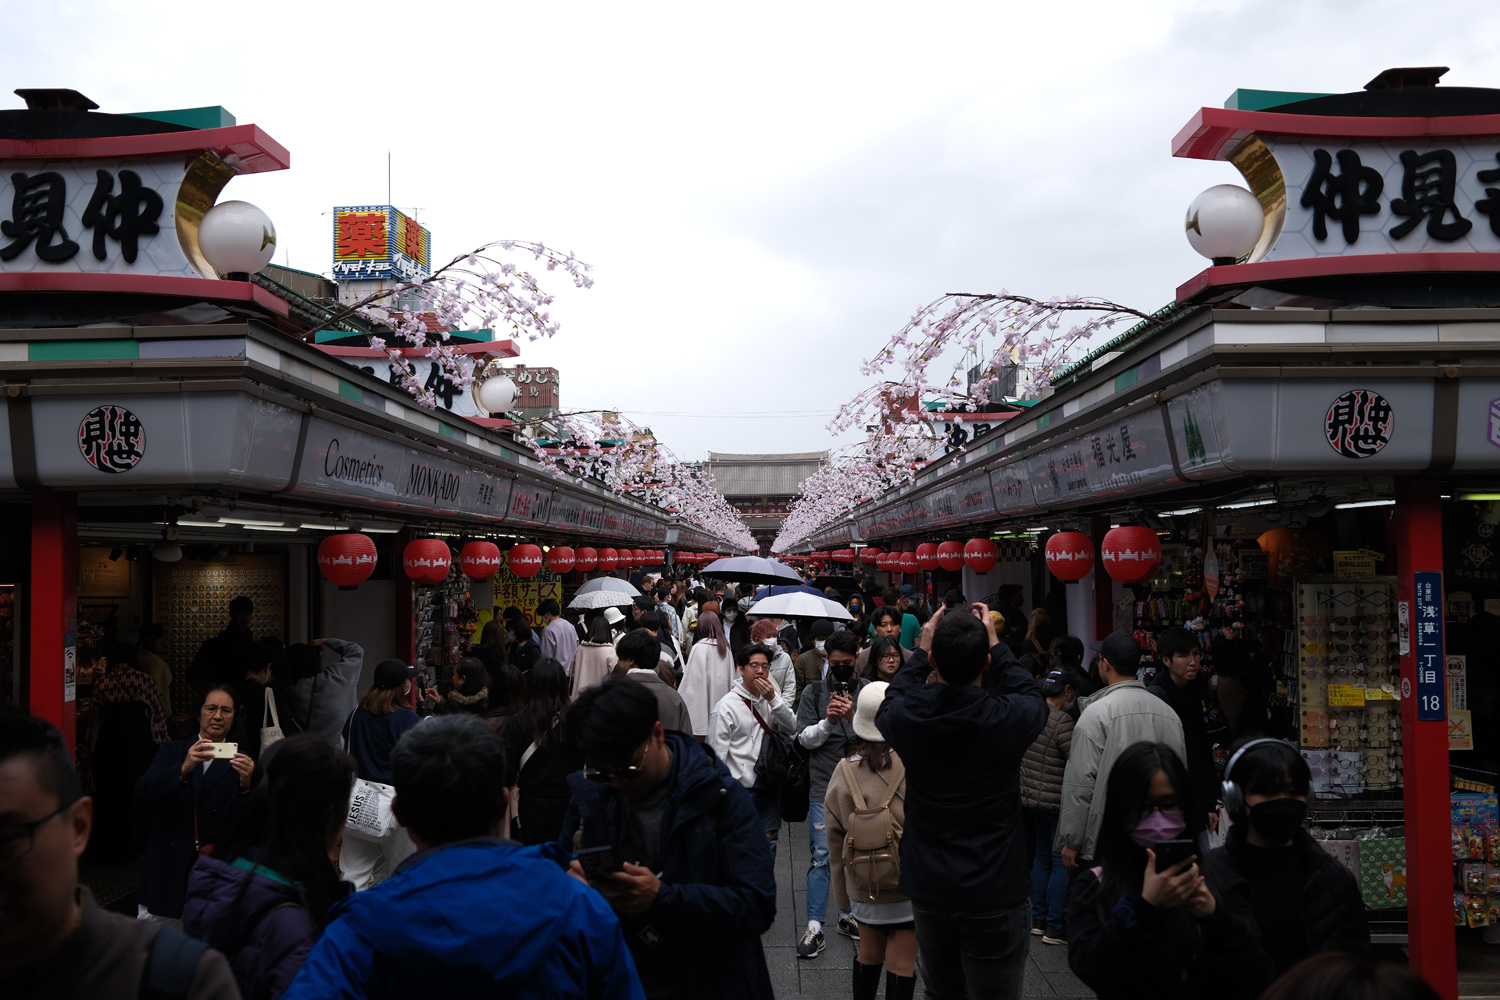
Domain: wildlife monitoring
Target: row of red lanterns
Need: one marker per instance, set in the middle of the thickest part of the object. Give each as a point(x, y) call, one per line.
point(348, 558)
point(1130, 554)
point(978, 554)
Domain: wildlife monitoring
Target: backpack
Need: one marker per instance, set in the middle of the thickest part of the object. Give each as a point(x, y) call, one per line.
point(171, 964)
point(872, 838)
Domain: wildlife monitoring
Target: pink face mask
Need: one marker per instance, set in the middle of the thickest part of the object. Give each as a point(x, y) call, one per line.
point(1158, 825)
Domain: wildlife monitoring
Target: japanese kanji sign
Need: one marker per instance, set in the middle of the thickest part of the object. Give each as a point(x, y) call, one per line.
point(112, 439)
point(528, 593)
point(1359, 423)
point(1427, 643)
point(376, 241)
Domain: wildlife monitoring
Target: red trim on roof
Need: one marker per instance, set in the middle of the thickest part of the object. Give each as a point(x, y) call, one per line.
point(1212, 132)
point(257, 151)
point(499, 348)
point(491, 422)
point(1324, 267)
point(206, 289)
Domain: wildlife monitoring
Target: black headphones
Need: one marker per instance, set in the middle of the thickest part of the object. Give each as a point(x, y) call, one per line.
point(1234, 795)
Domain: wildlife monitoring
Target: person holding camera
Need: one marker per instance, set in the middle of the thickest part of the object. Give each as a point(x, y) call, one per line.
point(739, 724)
point(672, 840)
point(825, 727)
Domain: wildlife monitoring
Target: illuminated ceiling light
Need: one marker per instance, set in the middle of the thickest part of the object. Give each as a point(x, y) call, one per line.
point(1184, 511)
point(379, 531)
point(321, 527)
point(267, 527)
point(1364, 503)
point(250, 522)
point(186, 523)
point(1479, 496)
point(1247, 503)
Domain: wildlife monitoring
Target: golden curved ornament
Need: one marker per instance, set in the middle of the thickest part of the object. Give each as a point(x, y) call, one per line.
point(1263, 176)
point(205, 179)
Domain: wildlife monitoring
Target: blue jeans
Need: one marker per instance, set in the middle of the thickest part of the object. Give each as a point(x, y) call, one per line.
point(1049, 876)
point(768, 808)
point(817, 864)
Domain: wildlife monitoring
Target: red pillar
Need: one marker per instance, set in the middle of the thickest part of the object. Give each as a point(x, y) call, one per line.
point(54, 610)
point(1104, 585)
point(1424, 747)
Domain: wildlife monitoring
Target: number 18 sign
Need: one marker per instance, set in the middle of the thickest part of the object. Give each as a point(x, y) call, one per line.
point(1427, 636)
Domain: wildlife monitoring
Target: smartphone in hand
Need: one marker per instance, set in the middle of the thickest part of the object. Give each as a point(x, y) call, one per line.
point(1170, 853)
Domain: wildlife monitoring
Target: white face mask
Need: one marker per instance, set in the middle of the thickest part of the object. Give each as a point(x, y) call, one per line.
point(730, 616)
point(818, 645)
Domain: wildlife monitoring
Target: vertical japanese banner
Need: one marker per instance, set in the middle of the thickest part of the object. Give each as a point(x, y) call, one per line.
point(1427, 638)
point(526, 594)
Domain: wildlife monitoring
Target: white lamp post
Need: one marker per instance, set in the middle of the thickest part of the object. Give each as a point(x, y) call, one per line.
point(237, 238)
point(1224, 223)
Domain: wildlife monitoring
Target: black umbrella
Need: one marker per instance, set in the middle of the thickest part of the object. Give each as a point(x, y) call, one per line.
point(843, 584)
point(752, 569)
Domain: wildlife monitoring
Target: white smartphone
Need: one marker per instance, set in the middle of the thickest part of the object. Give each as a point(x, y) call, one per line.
point(225, 750)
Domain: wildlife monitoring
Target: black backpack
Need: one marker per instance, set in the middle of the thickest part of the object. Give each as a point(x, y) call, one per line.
point(170, 965)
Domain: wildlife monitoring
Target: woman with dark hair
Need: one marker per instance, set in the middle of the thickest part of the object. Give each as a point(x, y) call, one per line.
point(470, 693)
point(539, 754)
point(1338, 975)
point(884, 660)
point(382, 717)
point(524, 651)
point(1042, 771)
point(1038, 634)
point(507, 695)
point(709, 673)
point(191, 794)
point(493, 639)
point(595, 657)
point(1067, 652)
point(1136, 931)
point(261, 895)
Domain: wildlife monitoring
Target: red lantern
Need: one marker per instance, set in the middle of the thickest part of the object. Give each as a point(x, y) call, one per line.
point(1130, 553)
point(608, 559)
point(427, 560)
point(561, 558)
point(1070, 555)
point(480, 560)
point(950, 555)
point(525, 560)
point(585, 558)
point(883, 560)
point(907, 562)
point(347, 558)
point(927, 555)
point(870, 555)
point(981, 554)
point(843, 556)
point(638, 556)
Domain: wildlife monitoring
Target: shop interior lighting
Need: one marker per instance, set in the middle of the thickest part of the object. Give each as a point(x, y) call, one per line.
point(1364, 503)
point(379, 531)
point(250, 522)
point(1184, 512)
point(1479, 496)
point(319, 527)
point(1247, 503)
point(267, 527)
point(188, 523)
point(1037, 530)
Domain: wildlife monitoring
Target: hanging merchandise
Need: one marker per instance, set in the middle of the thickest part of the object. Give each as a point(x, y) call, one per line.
point(1130, 553)
point(927, 556)
point(561, 558)
point(1070, 555)
point(525, 560)
point(427, 560)
point(1210, 570)
point(608, 559)
point(906, 562)
point(347, 558)
point(585, 558)
point(950, 555)
point(981, 554)
point(479, 560)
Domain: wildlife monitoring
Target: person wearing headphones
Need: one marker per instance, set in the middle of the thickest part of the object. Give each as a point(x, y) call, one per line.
point(1303, 901)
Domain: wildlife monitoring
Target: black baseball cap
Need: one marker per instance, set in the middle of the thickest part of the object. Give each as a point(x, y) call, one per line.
point(392, 674)
point(822, 627)
point(1121, 650)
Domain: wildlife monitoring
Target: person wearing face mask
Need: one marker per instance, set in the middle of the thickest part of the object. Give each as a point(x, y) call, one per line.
point(1136, 931)
point(810, 663)
point(370, 734)
point(1302, 900)
point(738, 623)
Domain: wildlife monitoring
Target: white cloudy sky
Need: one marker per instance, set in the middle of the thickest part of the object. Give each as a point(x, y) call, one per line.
point(766, 191)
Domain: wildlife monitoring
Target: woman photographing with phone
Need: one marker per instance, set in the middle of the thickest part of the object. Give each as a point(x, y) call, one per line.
point(1147, 922)
point(191, 791)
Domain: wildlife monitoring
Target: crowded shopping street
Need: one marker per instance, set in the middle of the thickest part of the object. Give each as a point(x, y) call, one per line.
point(836, 575)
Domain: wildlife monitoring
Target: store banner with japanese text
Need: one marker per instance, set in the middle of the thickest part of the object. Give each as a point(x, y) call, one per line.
point(526, 594)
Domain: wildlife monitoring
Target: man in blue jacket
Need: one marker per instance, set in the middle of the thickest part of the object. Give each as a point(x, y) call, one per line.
point(963, 854)
point(470, 914)
point(691, 868)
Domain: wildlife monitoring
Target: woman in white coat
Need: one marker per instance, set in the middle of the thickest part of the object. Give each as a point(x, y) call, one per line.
point(595, 658)
point(709, 672)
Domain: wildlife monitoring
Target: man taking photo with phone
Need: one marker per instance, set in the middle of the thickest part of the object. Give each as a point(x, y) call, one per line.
point(685, 860)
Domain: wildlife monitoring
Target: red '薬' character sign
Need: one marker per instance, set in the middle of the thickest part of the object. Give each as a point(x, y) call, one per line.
point(361, 235)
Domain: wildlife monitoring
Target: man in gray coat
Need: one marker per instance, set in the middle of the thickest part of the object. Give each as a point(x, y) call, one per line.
point(639, 653)
point(323, 701)
point(1121, 714)
point(825, 718)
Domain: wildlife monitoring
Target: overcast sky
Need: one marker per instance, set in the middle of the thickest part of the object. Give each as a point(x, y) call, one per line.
point(766, 191)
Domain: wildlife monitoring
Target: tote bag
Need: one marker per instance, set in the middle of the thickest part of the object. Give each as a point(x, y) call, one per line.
point(370, 815)
point(270, 723)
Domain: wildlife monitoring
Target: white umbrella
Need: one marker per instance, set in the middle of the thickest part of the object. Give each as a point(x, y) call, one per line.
point(605, 592)
point(752, 569)
point(799, 605)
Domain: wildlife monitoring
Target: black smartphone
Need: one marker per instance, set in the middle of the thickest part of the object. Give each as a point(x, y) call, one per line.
point(598, 861)
point(840, 688)
point(1173, 852)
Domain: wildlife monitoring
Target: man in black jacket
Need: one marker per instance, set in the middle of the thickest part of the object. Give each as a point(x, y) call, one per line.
point(693, 882)
point(963, 857)
point(1180, 658)
point(1303, 901)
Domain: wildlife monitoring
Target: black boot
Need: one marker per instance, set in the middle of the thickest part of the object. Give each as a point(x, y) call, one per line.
point(899, 987)
point(866, 980)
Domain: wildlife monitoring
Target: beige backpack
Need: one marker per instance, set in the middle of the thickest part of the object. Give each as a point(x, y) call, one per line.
point(872, 837)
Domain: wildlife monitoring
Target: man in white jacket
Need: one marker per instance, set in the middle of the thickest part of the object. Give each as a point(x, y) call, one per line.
point(739, 723)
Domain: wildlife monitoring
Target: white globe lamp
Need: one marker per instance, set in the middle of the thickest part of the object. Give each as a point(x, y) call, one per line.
point(237, 238)
point(1224, 223)
point(495, 394)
